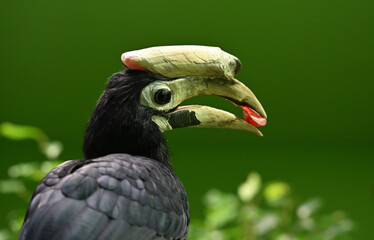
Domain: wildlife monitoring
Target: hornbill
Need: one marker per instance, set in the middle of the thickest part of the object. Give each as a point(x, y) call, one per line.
point(125, 187)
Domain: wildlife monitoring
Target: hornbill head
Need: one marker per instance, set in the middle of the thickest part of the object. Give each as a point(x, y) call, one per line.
point(144, 100)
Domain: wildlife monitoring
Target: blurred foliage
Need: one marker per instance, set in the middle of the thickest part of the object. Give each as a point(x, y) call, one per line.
point(24, 176)
point(267, 212)
point(259, 211)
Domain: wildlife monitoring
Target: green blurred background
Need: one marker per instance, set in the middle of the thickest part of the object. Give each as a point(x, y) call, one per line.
point(310, 63)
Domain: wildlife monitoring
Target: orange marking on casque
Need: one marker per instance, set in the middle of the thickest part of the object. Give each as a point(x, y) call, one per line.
point(130, 62)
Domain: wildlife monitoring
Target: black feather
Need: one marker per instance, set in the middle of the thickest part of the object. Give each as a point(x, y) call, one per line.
point(120, 124)
point(73, 211)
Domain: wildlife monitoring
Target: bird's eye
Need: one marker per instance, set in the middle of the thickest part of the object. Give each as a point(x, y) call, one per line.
point(162, 96)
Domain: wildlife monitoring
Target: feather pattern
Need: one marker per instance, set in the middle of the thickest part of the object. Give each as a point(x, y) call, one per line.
point(117, 196)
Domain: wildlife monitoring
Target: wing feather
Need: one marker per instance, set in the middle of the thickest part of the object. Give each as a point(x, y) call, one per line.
point(118, 196)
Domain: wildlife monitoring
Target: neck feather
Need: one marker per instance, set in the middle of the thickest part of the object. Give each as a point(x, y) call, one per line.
point(120, 125)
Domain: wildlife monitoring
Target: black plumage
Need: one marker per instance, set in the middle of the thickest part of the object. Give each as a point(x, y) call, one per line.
point(124, 188)
point(121, 124)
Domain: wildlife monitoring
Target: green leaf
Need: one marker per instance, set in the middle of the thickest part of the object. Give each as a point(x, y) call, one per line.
point(21, 132)
point(287, 237)
point(275, 192)
point(22, 170)
point(266, 224)
point(338, 229)
point(11, 186)
point(248, 190)
point(16, 224)
point(52, 149)
point(4, 234)
point(221, 208)
point(308, 208)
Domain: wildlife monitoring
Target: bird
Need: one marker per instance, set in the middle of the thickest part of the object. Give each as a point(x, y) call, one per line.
point(124, 187)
